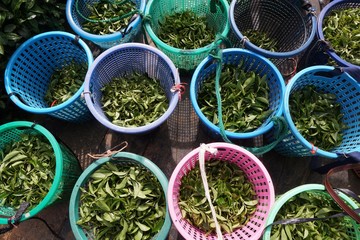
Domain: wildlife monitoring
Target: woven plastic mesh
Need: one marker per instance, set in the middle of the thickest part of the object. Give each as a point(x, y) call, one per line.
point(71, 169)
point(122, 61)
point(119, 159)
point(29, 71)
point(190, 58)
point(334, 6)
point(283, 21)
point(75, 21)
point(252, 62)
point(257, 176)
point(346, 90)
point(353, 229)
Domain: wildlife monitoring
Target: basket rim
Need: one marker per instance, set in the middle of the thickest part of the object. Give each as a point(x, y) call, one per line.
point(287, 115)
point(194, 152)
point(95, 37)
point(21, 49)
point(75, 194)
point(174, 50)
point(291, 193)
point(131, 130)
point(323, 13)
point(58, 166)
point(236, 135)
point(267, 53)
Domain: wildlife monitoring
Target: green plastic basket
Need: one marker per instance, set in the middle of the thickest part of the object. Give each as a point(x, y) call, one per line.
point(157, 10)
point(353, 232)
point(118, 158)
point(67, 168)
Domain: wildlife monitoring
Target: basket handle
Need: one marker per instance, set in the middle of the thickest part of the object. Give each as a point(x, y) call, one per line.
point(335, 196)
point(15, 220)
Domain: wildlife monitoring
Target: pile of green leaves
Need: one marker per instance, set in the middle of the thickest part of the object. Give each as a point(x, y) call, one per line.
point(65, 82)
point(261, 40)
point(122, 202)
point(244, 99)
point(22, 19)
point(311, 205)
point(341, 29)
point(107, 17)
point(133, 100)
point(317, 116)
point(27, 169)
point(185, 30)
point(232, 194)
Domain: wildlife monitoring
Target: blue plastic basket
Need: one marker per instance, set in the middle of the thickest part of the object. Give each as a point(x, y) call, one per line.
point(326, 11)
point(108, 40)
point(347, 91)
point(28, 74)
point(252, 62)
point(118, 159)
point(125, 59)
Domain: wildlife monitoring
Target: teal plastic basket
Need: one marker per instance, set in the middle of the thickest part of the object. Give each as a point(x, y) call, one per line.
point(346, 90)
point(157, 10)
point(353, 232)
point(118, 158)
point(67, 169)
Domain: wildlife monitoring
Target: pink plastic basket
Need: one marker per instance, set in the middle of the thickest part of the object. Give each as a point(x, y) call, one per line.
point(257, 175)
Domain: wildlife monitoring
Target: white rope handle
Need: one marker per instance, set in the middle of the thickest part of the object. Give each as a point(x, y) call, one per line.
point(203, 149)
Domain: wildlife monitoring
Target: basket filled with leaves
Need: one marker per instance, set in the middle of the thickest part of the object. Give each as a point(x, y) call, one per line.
point(186, 31)
point(249, 89)
point(321, 110)
point(220, 191)
point(132, 88)
point(308, 212)
point(36, 170)
point(338, 30)
point(120, 197)
point(46, 75)
point(105, 22)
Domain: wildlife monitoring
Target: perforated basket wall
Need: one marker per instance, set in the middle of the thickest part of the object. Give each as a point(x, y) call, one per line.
point(286, 22)
point(325, 12)
point(123, 60)
point(256, 174)
point(122, 158)
point(67, 168)
point(346, 90)
point(353, 230)
point(75, 20)
point(28, 74)
point(187, 59)
point(251, 62)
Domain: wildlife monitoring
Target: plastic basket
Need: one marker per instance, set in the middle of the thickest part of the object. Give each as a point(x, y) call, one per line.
point(185, 59)
point(28, 74)
point(123, 60)
point(353, 233)
point(292, 27)
point(67, 168)
point(346, 89)
point(326, 11)
point(252, 62)
point(119, 158)
point(254, 170)
point(107, 40)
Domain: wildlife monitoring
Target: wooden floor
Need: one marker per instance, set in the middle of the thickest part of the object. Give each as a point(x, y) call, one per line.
point(165, 146)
